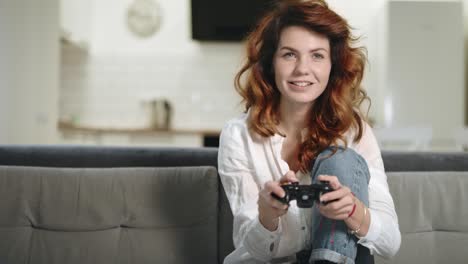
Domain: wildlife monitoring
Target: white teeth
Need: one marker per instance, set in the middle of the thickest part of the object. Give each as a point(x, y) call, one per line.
point(301, 83)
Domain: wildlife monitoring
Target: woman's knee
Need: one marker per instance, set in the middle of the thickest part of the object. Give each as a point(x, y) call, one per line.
point(340, 162)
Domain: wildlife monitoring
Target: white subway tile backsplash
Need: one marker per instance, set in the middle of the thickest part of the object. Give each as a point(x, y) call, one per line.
point(114, 91)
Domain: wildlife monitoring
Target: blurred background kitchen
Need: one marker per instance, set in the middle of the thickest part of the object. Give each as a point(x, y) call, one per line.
point(160, 72)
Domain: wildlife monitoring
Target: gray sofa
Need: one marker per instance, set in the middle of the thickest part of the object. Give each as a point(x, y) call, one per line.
point(70, 204)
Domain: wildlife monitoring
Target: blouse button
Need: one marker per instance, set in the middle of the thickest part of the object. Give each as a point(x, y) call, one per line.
point(303, 228)
point(272, 246)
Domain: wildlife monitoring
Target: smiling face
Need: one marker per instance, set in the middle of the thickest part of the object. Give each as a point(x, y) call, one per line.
point(302, 65)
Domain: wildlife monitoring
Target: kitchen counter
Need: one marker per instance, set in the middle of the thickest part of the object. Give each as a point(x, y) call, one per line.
point(80, 134)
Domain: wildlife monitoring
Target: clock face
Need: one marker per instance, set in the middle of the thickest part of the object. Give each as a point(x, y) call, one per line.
point(144, 17)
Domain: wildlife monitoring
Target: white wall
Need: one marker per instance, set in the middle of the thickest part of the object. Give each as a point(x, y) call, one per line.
point(366, 17)
point(76, 20)
point(111, 36)
point(425, 76)
point(28, 71)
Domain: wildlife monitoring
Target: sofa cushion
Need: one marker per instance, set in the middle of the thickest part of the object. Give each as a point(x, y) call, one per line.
point(432, 211)
point(108, 215)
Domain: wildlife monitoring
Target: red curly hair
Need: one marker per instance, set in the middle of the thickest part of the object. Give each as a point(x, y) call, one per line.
point(337, 109)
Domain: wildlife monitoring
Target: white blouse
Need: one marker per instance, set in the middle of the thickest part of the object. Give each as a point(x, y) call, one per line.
point(247, 162)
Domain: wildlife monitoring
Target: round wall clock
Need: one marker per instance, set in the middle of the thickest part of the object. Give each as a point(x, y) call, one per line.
point(144, 18)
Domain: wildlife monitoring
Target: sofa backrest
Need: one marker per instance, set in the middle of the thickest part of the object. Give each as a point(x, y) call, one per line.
point(425, 161)
point(432, 212)
point(113, 157)
point(108, 215)
point(430, 193)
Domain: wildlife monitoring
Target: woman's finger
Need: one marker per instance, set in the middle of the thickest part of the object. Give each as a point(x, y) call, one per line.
point(273, 202)
point(335, 209)
point(335, 195)
point(270, 188)
point(332, 180)
point(289, 177)
point(338, 207)
point(337, 215)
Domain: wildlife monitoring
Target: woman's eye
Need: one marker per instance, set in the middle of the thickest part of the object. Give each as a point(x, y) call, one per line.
point(317, 56)
point(289, 55)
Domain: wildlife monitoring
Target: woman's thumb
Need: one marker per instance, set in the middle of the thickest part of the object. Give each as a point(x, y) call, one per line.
point(290, 176)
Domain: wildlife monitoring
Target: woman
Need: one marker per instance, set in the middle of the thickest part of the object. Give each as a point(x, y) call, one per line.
point(301, 88)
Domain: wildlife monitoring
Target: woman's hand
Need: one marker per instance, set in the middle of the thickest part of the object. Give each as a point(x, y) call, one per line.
point(340, 201)
point(269, 208)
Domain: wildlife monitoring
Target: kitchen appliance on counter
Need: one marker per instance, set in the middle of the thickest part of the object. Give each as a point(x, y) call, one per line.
point(160, 113)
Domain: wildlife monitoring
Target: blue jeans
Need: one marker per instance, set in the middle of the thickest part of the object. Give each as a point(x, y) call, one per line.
point(330, 238)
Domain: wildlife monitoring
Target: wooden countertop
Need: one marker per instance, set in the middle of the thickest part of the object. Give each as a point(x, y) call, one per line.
point(70, 127)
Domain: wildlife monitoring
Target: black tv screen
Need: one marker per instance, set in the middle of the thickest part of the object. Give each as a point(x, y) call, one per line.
point(225, 20)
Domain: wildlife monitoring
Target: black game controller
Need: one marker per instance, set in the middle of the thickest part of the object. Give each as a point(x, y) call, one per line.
point(305, 195)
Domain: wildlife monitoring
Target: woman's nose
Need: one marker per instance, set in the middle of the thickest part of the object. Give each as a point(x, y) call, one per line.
point(302, 67)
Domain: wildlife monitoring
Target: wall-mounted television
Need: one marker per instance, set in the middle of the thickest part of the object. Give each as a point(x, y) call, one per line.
point(225, 20)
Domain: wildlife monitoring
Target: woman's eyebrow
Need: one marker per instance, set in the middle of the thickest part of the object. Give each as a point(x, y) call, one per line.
point(295, 50)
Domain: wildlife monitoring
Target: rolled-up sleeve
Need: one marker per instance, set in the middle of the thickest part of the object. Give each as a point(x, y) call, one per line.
point(383, 237)
point(235, 170)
